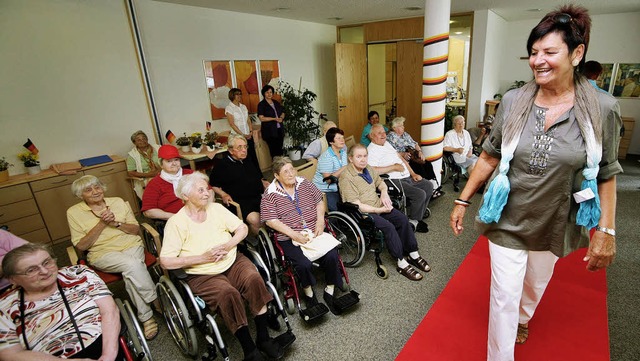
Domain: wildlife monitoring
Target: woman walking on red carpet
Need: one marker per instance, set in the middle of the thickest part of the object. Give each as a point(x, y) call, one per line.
point(552, 158)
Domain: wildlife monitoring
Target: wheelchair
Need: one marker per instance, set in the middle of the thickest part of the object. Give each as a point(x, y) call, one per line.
point(398, 199)
point(184, 312)
point(451, 170)
point(132, 341)
point(284, 275)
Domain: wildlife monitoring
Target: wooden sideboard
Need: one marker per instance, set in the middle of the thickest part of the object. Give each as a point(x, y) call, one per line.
point(35, 206)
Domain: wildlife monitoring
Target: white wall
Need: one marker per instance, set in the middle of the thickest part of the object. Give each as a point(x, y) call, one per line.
point(70, 80)
point(178, 38)
point(614, 38)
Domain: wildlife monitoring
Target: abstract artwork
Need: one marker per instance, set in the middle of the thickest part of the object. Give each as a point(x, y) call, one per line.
point(219, 82)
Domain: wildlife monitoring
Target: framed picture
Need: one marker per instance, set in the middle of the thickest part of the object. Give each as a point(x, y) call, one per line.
point(604, 80)
point(247, 81)
point(627, 84)
point(270, 75)
point(218, 77)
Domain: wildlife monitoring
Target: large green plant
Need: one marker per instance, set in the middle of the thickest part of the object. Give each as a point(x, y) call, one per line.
point(299, 122)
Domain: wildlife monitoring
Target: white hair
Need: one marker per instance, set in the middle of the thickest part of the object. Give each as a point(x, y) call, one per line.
point(186, 183)
point(397, 121)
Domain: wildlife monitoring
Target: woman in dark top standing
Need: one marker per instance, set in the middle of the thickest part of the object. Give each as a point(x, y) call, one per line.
point(271, 116)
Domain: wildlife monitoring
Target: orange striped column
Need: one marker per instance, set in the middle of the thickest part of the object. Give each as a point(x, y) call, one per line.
point(434, 77)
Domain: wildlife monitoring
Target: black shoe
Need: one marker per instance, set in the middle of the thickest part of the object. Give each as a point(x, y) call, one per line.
point(273, 322)
point(271, 348)
point(311, 301)
point(422, 227)
point(328, 299)
point(255, 355)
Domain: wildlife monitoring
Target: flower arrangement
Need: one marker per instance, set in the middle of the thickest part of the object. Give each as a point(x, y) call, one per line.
point(29, 159)
point(196, 139)
point(183, 140)
point(4, 165)
point(210, 139)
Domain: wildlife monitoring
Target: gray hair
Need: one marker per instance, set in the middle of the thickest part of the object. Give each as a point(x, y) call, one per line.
point(137, 133)
point(186, 183)
point(231, 141)
point(13, 257)
point(279, 163)
point(82, 183)
point(457, 118)
point(397, 121)
point(355, 147)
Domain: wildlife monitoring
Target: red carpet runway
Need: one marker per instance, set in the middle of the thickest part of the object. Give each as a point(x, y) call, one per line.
point(570, 322)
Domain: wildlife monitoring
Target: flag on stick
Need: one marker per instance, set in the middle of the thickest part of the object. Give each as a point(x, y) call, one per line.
point(208, 126)
point(32, 147)
point(170, 136)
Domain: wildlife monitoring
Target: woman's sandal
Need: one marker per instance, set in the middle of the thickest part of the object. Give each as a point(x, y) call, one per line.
point(523, 333)
point(150, 327)
point(437, 193)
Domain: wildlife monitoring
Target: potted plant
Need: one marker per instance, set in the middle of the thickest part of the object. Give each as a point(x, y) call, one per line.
point(184, 142)
point(196, 142)
point(299, 124)
point(4, 169)
point(30, 162)
point(210, 141)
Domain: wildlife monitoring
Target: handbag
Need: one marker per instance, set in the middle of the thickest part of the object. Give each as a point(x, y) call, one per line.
point(415, 155)
point(317, 246)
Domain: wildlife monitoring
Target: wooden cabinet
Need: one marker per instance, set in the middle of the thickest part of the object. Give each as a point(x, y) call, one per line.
point(35, 207)
point(628, 123)
point(19, 211)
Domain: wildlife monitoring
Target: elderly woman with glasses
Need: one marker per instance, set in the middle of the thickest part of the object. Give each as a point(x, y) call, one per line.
point(238, 117)
point(107, 229)
point(55, 313)
point(551, 138)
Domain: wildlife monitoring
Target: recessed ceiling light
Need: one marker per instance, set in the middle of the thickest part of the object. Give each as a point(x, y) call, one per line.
point(458, 32)
point(534, 10)
point(413, 8)
point(335, 18)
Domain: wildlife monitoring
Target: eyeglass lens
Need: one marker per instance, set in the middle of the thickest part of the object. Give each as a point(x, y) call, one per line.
point(47, 264)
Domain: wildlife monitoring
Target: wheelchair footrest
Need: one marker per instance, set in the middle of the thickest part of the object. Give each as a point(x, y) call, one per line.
point(285, 339)
point(346, 301)
point(313, 312)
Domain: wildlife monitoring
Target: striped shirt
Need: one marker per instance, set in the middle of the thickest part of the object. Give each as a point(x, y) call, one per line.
point(295, 211)
point(329, 162)
point(49, 328)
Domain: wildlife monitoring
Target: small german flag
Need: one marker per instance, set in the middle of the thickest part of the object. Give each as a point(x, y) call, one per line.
point(208, 126)
point(32, 147)
point(170, 136)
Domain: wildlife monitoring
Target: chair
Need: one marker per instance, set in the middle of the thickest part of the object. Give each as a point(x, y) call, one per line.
point(350, 141)
point(308, 170)
point(264, 156)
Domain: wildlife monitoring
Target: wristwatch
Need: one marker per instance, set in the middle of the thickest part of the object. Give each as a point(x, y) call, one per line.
point(118, 224)
point(608, 231)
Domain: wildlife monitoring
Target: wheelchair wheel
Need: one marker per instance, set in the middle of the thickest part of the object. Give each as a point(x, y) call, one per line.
point(382, 272)
point(177, 317)
point(290, 306)
point(352, 243)
point(134, 335)
point(446, 172)
point(214, 332)
point(427, 213)
point(269, 257)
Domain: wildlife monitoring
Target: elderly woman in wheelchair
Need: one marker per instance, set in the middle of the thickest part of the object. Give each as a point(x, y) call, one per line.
point(202, 239)
point(358, 184)
point(54, 313)
point(107, 229)
point(293, 207)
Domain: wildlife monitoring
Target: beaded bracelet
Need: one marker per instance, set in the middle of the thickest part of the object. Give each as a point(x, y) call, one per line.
point(462, 202)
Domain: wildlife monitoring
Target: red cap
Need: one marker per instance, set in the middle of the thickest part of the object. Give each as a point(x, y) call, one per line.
point(168, 151)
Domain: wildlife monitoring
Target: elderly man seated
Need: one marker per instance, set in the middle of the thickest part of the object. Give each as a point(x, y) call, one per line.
point(386, 160)
point(358, 184)
point(320, 145)
point(235, 178)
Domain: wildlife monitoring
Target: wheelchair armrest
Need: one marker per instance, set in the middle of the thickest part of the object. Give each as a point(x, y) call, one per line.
point(384, 176)
point(75, 256)
point(348, 206)
point(178, 273)
point(330, 179)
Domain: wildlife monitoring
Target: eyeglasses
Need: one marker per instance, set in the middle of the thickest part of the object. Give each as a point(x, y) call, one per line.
point(566, 19)
point(241, 147)
point(47, 264)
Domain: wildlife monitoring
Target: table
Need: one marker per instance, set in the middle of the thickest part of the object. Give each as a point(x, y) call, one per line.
point(193, 157)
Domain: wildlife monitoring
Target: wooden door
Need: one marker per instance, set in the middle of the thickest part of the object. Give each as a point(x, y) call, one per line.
point(351, 74)
point(409, 75)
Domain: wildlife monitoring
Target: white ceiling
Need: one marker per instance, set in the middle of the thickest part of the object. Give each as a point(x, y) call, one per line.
point(345, 12)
